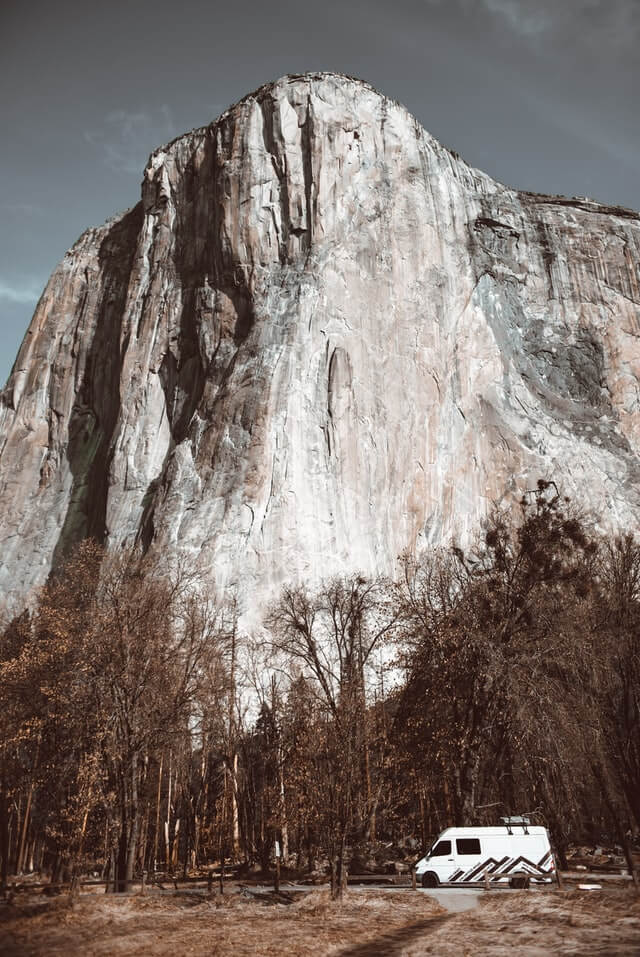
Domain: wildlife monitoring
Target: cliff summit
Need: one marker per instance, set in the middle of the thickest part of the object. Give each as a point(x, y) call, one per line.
point(320, 339)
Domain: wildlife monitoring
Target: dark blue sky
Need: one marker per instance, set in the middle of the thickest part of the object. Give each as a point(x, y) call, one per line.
point(541, 94)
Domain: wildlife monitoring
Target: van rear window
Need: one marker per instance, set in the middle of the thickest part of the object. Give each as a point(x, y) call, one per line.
point(468, 845)
point(441, 849)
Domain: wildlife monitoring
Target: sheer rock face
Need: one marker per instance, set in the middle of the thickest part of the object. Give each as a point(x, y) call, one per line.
point(319, 340)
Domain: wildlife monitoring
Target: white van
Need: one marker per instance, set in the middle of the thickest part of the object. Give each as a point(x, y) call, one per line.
point(464, 855)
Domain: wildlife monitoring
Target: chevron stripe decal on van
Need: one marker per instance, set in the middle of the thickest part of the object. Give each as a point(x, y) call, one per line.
point(500, 870)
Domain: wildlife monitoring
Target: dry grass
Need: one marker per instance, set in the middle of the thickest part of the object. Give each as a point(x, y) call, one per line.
point(160, 926)
point(538, 924)
point(367, 924)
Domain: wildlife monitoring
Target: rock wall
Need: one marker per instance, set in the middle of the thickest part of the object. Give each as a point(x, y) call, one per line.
point(320, 339)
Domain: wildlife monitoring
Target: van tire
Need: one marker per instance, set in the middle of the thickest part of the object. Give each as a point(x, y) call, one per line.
point(429, 879)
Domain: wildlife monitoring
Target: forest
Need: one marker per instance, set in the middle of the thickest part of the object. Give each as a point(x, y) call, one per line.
point(141, 730)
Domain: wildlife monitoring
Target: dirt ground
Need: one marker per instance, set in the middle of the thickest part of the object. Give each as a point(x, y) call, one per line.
point(368, 924)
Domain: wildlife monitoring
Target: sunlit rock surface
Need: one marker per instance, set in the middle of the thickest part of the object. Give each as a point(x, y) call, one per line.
point(319, 340)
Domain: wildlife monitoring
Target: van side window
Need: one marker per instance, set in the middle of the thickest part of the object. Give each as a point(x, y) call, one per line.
point(441, 849)
point(468, 845)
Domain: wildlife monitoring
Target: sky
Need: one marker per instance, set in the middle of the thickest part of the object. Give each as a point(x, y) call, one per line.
point(540, 94)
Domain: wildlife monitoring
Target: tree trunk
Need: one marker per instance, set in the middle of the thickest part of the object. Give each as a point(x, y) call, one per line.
point(27, 812)
point(372, 804)
point(167, 823)
point(143, 841)
point(233, 753)
point(157, 830)
point(23, 831)
point(4, 839)
point(284, 828)
point(466, 787)
point(58, 866)
point(451, 813)
point(111, 878)
point(235, 822)
point(342, 869)
point(309, 837)
point(132, 847)
point(129, 834)
point(121, 859)
point(176, 846)
point(613, 810)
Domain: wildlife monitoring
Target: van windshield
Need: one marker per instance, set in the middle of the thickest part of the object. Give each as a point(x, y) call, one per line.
point(441, 849)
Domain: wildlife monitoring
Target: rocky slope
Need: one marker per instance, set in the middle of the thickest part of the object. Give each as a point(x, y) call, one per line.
point(320, 339)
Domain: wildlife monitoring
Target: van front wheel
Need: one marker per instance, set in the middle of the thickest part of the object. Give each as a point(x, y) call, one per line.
point(430, 879)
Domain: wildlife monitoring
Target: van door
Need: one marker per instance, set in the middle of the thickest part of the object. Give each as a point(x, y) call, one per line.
point(469, 860)
point(441, 860)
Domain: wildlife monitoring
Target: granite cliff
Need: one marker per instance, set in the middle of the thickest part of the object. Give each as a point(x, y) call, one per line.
point(319, 339)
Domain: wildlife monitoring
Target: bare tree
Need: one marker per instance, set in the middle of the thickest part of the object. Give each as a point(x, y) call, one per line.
point(620, 689)
point(107, 678)
point(333, 634)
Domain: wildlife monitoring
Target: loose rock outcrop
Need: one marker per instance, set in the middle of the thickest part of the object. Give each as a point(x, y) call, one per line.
point(320, 339)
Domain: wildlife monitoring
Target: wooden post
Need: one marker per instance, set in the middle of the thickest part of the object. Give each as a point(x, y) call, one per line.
point(414, 883)
point(556, 862)
point(142, 885)
point(276, 885)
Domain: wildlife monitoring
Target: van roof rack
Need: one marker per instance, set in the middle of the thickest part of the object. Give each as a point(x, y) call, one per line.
point(516, 820)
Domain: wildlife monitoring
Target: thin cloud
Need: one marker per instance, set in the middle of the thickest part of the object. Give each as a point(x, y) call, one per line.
point(126, 138)
point(592, 23)
point(23, 293)
point(598, 24)
point(523, 18)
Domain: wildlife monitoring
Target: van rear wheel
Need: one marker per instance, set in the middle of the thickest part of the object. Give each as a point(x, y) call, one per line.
point(430, 879)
